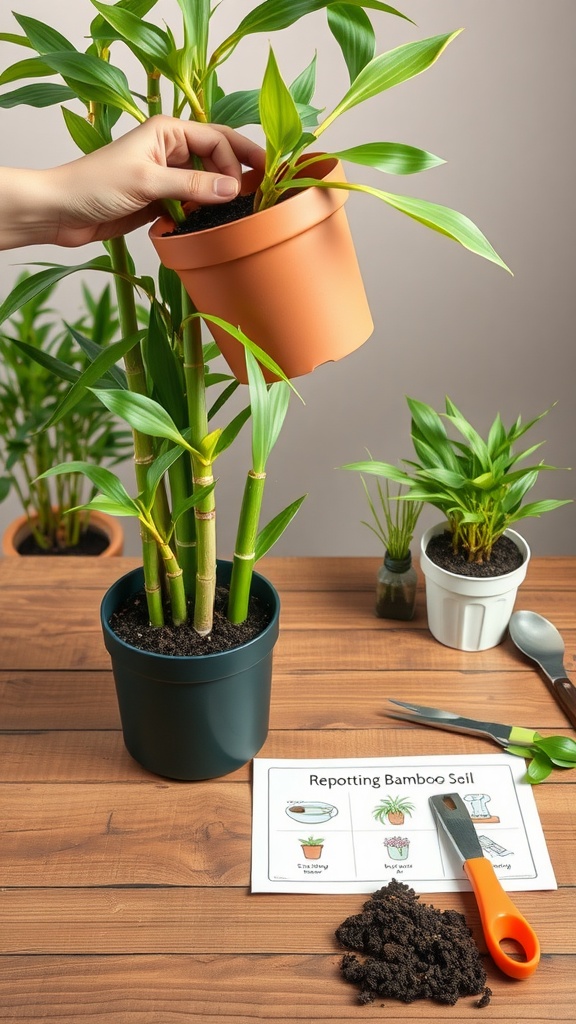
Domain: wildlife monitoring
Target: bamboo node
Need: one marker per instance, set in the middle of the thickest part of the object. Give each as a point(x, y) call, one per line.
point(247, 558)
point(205, 515)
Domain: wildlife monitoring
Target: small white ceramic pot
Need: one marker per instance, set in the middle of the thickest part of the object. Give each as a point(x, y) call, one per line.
point(467, 612)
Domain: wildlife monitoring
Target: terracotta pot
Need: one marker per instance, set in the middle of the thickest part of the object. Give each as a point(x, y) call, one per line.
point(19, 528)
point(287, 276)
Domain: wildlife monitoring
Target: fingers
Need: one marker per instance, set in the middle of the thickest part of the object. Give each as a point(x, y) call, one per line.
point(200, 186)
point(221, 150)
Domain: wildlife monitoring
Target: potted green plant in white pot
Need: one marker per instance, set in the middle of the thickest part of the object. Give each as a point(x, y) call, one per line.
point(168, 380)
point(473, 561)
point(39, 356)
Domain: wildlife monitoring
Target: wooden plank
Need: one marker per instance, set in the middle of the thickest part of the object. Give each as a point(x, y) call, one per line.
point(229, 989)
point(199, 920)
point(556, 572)
point(165, 833)
point(100, 756)
point(301, 699)
point(86, 700)
point(80, 645)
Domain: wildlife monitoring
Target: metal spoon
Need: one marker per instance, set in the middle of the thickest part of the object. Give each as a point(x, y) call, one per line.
point(539, 640)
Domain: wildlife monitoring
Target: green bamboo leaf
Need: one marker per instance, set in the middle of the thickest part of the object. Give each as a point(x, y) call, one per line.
point(56, 366)
point(263, 358)
point(5, 487)
point(390, 69)
point(44, 94)
point(390, 157)
point(106, 482)
point(273, 15)
point(534, 509)
point(162, 463)
point(303, 87)
point(92, 349)
point(141, 413)
point(223, 398)
point(279, 117)
point(146, 38)
point(383, 469)
point(525, 752)
point(192, 501)
point(93, 374)
point(196, 19)
point(13, 39)
point(112, 508)
point(275, 528)
point(35, 284)
point(164, 368)
point(447, 222)
point(84, 134)
point(237, 109)
point(259, 406)
point(230, 433)
point(100, 28)
point(353, 31)
point(95, 79)
point(32, 67)
point(41, 37)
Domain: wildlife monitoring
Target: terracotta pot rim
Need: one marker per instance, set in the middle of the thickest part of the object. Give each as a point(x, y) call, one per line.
point(109, 525)
point(249, 235)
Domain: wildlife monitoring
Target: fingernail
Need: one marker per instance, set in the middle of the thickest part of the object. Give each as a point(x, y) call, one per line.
point(225, 186)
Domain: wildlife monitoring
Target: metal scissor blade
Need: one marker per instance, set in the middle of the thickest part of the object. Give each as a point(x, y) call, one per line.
point(441, 719)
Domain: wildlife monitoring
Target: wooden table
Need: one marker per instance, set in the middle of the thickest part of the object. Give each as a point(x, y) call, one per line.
point(125, 899)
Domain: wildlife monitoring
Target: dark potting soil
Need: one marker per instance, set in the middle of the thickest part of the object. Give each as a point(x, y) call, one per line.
point(505, 557)
point(93, 542)
point(410, 950)
point(130, 623)
point(213, 216)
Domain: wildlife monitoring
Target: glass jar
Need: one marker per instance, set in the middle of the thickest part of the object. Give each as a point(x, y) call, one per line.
point(396, 588)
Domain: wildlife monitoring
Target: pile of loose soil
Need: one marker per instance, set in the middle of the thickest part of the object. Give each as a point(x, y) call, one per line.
point(505, 557)
point(215, 214)
point(130, 623)
point(410, 950)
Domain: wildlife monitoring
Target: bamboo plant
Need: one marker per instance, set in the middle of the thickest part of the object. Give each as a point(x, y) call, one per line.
point(39, 355)
point(164, 396)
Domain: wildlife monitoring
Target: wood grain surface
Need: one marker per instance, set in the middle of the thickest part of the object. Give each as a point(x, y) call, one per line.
point(125, 898)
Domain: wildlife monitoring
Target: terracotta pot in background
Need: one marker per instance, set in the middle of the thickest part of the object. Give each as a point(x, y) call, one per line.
point(287, 276)
point(18, 529)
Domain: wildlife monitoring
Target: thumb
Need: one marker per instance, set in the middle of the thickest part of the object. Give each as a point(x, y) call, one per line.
point(201, 186)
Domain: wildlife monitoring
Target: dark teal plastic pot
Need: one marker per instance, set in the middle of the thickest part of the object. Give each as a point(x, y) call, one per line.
point(196, 717)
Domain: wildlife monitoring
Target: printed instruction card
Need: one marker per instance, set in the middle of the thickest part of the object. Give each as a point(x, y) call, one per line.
point(348, 826)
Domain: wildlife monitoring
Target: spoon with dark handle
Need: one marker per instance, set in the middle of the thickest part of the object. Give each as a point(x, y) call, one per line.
point(539, 640)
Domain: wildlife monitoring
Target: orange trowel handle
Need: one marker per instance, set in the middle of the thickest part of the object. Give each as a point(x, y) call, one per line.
point(502, 920)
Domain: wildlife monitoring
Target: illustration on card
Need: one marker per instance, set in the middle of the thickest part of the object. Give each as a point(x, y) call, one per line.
point(397, 847)
point(311, 812)
point(478, 808)
point(393, 809)
point(312, 847)
point(493, 849)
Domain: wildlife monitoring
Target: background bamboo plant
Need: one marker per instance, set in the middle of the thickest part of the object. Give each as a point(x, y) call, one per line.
point(39, 356)
point(163, 395)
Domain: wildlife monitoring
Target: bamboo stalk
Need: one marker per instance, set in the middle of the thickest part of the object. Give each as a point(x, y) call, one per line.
point(245, 554)
point(205, 511)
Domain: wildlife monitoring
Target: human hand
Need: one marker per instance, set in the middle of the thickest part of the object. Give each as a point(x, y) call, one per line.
point(120, 187)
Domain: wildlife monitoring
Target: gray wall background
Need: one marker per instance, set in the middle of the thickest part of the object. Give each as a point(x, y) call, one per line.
point(499, 108)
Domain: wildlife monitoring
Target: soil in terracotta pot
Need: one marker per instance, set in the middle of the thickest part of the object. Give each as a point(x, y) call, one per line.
point(213, 216)
point(410, 950)
point(130, 623)
point(505, 557)
point(92, 542)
